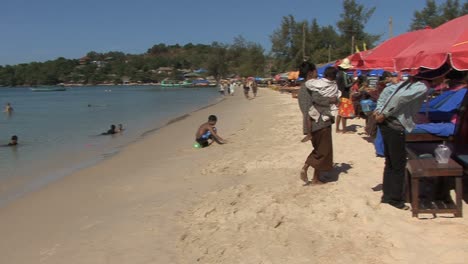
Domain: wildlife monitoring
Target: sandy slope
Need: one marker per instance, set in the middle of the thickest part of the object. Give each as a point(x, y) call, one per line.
point(271, 218)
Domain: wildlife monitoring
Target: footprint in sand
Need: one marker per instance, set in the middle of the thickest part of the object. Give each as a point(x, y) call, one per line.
point(48, 252)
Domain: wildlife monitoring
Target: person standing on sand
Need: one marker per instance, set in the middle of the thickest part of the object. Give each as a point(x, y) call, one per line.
point(232, 88)
point(321, 157)
point(307, 71)
point(208, 131)
point(344, 83)
point(246, 89)
point(221, 88)
point(254, 86)
point(394, 113)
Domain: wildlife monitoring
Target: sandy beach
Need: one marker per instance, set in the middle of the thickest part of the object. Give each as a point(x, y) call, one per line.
point(162, 201)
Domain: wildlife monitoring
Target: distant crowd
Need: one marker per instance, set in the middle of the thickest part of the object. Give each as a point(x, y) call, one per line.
point(247, 85)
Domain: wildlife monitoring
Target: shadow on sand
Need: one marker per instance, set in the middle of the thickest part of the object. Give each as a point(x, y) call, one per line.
point(353, 128)
point(334, 174)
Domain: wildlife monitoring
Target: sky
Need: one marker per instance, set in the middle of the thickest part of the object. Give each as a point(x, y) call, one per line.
point(41, 30)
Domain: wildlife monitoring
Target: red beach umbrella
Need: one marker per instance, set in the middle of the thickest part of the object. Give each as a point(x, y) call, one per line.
point(448, 42)
point(381, 57)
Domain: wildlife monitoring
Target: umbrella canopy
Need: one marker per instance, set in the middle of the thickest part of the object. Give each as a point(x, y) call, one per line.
point(446, 42)
point(381, 57)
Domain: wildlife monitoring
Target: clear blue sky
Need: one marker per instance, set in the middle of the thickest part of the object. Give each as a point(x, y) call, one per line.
point(40, 30)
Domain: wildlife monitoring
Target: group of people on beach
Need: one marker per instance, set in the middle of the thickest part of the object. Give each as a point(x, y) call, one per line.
point(247, 84)
point(322, 100)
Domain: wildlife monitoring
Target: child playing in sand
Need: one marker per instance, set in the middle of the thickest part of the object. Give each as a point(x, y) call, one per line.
point(208, 131)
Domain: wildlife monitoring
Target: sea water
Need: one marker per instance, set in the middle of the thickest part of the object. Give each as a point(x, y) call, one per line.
point(59, 131)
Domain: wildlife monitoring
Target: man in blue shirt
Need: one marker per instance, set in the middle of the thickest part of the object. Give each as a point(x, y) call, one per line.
point(394, 113)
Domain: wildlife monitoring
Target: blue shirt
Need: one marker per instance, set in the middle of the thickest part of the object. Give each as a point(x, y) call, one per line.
point(404, 104)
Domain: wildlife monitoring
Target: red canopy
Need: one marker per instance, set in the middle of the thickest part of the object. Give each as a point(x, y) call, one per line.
point(381, 57)
point(448, 41)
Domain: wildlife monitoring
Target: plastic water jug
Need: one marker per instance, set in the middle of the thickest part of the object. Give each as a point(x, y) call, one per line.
point(442, 153)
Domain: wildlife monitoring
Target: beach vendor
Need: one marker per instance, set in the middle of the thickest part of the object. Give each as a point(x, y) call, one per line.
point(323, 101)
point(396, 107)
point(346, 109)
point(208, 131)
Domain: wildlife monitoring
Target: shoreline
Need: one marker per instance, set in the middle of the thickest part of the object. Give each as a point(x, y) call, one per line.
point(66, 207)
point(73, 168)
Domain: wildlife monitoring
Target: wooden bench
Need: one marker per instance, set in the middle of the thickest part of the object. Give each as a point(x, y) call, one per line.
point(419, 144)
point(425, 137)
point(423, 168)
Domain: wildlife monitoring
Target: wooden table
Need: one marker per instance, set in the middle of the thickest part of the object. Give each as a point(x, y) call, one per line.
point(421, 168)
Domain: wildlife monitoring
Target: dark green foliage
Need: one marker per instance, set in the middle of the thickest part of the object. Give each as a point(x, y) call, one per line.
point(294, 41)
point(433, 15)
point(243, 58)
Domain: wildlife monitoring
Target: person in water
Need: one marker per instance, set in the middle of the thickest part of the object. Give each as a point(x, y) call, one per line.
point(13, 141)
point(111, 131)
point(208, 131)
point(119, 128)
point(8, 108)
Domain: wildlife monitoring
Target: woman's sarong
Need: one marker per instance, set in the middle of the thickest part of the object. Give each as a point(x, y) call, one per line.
point(346, 108)
point(321, 157)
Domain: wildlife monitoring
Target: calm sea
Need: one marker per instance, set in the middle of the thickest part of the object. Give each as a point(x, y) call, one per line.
point(58, 131)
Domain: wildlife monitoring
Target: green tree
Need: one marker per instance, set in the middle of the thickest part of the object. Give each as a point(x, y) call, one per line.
point(351, 26)
point(282, 42)
point(450, 10)
point(433, 15)
point(216, 62)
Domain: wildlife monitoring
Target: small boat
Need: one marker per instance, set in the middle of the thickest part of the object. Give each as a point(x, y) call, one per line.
point(48, 89)
point(173, 83)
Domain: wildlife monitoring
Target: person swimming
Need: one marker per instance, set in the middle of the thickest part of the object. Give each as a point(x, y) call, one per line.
point(13, 142)
point(111, 131)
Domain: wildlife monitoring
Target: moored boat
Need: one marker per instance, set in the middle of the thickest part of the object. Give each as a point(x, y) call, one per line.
point(48, 89)
point(172, 83)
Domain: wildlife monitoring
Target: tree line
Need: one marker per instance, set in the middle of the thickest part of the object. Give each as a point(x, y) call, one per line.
point(291, 43)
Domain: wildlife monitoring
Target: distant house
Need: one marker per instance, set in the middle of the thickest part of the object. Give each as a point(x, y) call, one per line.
point(125, 80)
point(167, 70)
point(84, 60)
